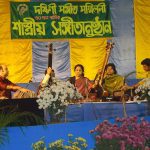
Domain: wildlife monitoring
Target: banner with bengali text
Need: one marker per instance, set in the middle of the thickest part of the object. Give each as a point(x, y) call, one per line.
point(59, 20)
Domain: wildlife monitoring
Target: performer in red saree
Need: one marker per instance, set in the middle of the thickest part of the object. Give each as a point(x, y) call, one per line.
point(82, 84)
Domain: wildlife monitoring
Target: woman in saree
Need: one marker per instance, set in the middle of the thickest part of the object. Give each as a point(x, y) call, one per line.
point(82, 84)
point(112, 82)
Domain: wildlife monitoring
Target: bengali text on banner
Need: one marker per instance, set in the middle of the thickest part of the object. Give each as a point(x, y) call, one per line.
point(55, 20)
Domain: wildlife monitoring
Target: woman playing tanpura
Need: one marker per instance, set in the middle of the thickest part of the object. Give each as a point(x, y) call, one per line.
point(82, 84)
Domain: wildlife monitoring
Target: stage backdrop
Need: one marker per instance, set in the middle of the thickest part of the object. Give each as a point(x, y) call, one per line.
point(25, 57)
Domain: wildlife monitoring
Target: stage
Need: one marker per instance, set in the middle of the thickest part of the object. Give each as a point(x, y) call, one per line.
point(86, 111)
point(105, 110)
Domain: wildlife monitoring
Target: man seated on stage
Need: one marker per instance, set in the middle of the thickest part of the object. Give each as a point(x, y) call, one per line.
point(49, 72)
point(6, 86)
point(112, 82)
point(146, 67)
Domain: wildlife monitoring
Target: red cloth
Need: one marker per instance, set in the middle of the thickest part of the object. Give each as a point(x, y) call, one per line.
point(83, 85)
point(4, 92)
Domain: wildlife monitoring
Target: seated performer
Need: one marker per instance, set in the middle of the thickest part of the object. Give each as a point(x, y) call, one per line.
point(6, 86)
point(49, 72)
point(82, 84)
point(112, 82)
point(146, 67)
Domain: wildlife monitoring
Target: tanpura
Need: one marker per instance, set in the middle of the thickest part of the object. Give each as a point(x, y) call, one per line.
point(101, 74)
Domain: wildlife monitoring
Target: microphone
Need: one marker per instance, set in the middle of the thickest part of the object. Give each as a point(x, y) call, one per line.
point(32, 84)
point(27, 85)
point(30, 81)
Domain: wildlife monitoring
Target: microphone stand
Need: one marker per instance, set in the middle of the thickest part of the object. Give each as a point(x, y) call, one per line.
point(123, 103)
